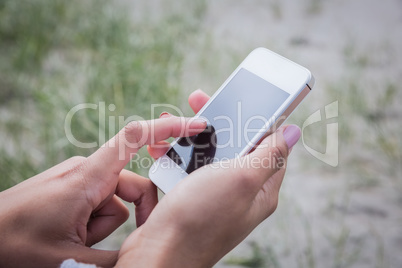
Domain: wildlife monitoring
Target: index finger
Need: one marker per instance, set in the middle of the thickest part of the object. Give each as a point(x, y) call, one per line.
point(114, 155)
point(197, 100)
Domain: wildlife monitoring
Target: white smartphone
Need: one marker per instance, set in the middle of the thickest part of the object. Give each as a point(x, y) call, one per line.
point(257, 97)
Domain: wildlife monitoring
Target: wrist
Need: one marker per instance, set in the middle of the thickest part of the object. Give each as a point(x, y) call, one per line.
point(142, 250)
point(165, 248)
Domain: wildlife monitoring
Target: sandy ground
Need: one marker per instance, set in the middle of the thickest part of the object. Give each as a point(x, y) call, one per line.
point(344, 216)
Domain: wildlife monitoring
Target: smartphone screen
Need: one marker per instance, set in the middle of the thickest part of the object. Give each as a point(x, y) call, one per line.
point(234, 117)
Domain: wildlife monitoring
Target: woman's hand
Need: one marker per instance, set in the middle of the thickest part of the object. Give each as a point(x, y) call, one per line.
point(59, 213)
point(213, 209)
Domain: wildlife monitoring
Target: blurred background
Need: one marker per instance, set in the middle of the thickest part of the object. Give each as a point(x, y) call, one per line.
point(57, 54)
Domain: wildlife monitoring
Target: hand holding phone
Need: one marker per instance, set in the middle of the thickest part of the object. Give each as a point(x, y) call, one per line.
point(257, 98)
point(212, 210)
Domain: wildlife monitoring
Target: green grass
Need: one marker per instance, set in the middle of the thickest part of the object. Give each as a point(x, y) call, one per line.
point(57, 54)
point(259, 258)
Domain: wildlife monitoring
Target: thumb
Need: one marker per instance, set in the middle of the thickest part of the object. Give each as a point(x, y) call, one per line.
point(273, 151)
point(114, 155)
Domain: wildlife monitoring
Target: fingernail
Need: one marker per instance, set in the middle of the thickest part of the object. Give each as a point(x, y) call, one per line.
point(200, 120)
point(197, 124)
point(165, 114)
point(291, 134)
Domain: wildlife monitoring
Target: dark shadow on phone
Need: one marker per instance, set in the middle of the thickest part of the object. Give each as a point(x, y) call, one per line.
point(202, 146)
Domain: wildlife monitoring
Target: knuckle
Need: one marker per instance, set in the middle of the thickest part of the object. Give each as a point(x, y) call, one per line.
point(249, 178)
point(252, 170)
point(274, 204)
point(125, 214)
point(148, 187)
point(278, 157)
point(76, 159)
point(134, 132)
point(77, 164)
point(248, 184)
point(271, 199)
point(251, 174)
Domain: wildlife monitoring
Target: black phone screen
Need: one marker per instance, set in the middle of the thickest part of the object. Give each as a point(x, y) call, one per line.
point(234, 117)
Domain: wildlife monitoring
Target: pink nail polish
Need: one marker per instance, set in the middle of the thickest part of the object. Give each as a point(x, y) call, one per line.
point(291, 134)
point(164, 114)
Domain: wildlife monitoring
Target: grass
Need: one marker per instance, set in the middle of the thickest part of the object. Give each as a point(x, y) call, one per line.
point(55, 55)
point(276, 9)
point(343, 256)
point(371, 104)
point(342, 234)
point(259, 258)
point(314, 7)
